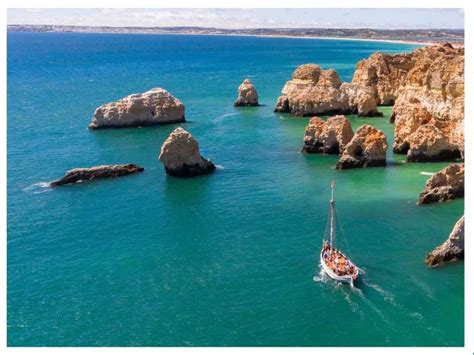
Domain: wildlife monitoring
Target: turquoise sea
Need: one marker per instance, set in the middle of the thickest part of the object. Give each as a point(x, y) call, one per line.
point(229, 259)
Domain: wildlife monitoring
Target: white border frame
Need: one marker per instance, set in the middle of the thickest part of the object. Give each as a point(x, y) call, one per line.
point(469, 141)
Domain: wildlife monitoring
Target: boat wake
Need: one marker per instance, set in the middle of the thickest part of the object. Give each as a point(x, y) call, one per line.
point(38, 188)
point(221, 117)
point(322, 276)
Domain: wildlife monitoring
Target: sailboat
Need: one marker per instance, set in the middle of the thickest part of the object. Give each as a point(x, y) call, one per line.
point(333, 261)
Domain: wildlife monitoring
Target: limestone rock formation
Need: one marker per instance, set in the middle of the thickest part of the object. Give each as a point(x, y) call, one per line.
point(429, 111)
point(428, 143)
point(327, 137)
point(451, 250)
point(384, 74)
point(313, 91)
point(97, 172)
point(181, 157)
point(156, 106)
point(445, 185)
point(361, 100)
point(247, 94)
point(367, 148)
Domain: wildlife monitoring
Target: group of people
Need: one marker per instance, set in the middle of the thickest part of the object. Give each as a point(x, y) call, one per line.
point(336, 261)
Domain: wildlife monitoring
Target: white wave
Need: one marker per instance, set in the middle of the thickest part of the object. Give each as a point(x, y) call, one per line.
point(426, 173)
point(38, 188)
point(322, 277)
point(219, 167)
point(219, 118)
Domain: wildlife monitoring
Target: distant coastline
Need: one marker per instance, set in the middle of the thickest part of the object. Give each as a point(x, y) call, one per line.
point(419, 37)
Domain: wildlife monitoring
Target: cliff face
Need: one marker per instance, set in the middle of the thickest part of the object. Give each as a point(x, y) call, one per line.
point(313, 91)
point(445, 185)
point(429, 111)
point(452, 249)
point(427, 90)
point(384, 73)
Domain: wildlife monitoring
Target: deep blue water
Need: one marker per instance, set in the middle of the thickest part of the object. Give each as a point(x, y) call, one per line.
point(226, 259)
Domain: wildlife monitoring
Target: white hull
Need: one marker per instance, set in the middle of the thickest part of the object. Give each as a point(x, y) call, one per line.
point(346, 278)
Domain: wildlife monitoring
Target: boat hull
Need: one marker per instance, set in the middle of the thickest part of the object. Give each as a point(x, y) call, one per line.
point(346, 278)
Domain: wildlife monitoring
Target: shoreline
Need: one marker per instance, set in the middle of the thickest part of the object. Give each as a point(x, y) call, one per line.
point(359, 39)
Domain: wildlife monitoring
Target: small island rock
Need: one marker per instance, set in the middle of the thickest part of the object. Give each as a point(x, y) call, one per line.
point(181, 157)
point(445, 185)
point(97, 172)
point(327, 137)
point(451, 250)
point(156, 106)
point(247, 94)
point(367, 148)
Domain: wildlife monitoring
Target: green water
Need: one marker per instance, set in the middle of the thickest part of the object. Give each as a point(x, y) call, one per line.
point(226, 259)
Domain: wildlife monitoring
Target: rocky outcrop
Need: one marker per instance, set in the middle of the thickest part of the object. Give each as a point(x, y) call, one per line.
point(96, 172)
point(327, 137)
point(429, 111)
point(451, 250)
point(181, 157)
point(156, 106)
point(429, 143)
point(367, 148)
point(360, 99)
point(247, 94)
point(384, 74)
point(445, 185)
point(313, 91)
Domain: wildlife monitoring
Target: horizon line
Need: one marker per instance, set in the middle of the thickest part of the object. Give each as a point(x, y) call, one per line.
point(252, 28)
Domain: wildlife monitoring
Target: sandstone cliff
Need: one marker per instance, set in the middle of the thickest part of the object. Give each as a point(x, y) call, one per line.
point(384, 73)
point(452, 249)
point(156, 106)
point(313, 91)
point(181, 157)
point(429, 111)
point(445, 185)
point(327, 137)
point(247, 94)
point(367, 148)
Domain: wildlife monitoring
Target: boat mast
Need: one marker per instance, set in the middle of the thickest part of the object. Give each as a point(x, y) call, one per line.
point(332, 204)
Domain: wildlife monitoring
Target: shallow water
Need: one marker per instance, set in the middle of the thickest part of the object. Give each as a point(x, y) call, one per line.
point(226, 259)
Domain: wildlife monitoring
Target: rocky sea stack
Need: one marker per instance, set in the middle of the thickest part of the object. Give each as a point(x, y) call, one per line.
point(97, 172)
point(156, 106)
point(247, 94)
point(451, 250)
point(181, 157)
point(445, 185)
point(313, 91)
point(327, 137)
point(367, 148)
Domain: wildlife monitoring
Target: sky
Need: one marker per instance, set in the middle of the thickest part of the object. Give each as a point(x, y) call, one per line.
point(245, 18)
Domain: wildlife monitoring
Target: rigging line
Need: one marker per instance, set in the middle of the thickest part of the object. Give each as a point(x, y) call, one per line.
point(343, 233)
point(326, 230)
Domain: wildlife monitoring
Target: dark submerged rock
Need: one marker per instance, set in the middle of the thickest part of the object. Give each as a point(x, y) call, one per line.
point(97, 172)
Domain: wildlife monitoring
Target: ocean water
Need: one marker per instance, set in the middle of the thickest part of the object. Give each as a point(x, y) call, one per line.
point(229, 259)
